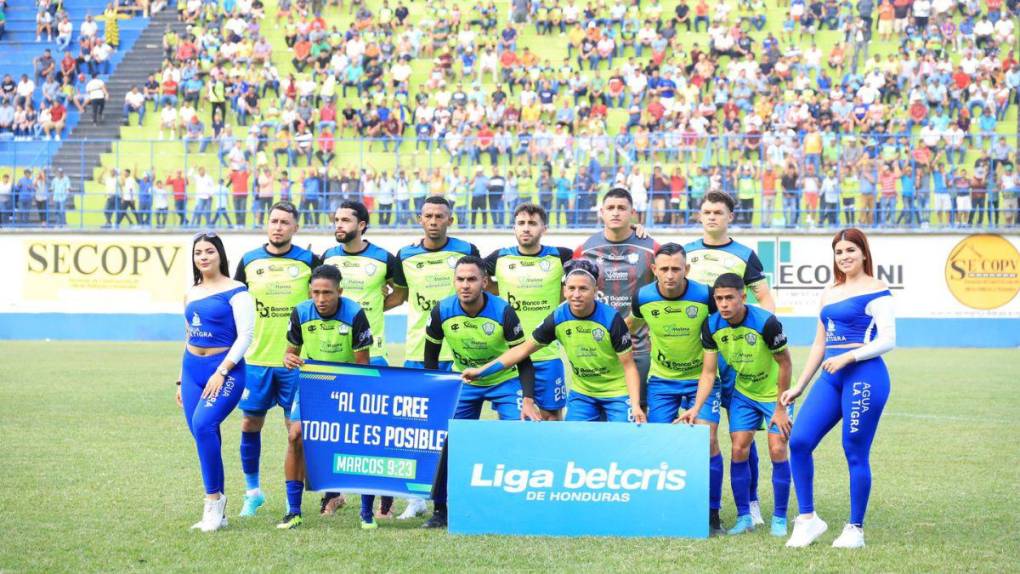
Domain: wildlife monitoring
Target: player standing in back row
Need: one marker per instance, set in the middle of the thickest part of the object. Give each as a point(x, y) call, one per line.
point(277, 275)
point(426, 271)
point(368, 271)
point(625, 263)
point(717, 253)
point(529, 276)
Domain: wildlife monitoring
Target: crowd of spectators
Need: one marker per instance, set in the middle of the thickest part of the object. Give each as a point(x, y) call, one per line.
point(35, 107)
point(798, 135)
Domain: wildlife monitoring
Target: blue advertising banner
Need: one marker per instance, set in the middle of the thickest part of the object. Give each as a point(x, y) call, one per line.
point(374, 430)
point(578, 479)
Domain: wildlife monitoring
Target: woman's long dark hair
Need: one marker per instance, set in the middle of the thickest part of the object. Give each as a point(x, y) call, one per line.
point(218, 244)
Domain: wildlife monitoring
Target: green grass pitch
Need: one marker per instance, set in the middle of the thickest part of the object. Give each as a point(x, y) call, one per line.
point(100, 474)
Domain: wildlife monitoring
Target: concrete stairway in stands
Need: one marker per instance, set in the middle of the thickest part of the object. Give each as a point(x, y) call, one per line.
point(80, 154)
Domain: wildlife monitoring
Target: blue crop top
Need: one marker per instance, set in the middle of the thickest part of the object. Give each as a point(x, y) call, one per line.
point(211, 320)
point(848, 321)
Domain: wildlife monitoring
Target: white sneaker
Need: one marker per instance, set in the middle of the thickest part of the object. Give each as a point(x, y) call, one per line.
point(806, 531)
point(852, 537)
point(213, 517)
point(756, 518)
point(415, 507)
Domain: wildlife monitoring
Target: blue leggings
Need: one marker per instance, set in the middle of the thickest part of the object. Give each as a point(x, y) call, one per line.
point(205, 415)
point(857, 394)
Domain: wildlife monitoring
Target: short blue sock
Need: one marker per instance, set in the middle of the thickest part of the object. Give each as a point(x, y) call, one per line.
point(294, 490)
point(740, 480)
point(367, 502)
point(715, 475)
point(781, 487)
point(752, 461)
point(251, 451)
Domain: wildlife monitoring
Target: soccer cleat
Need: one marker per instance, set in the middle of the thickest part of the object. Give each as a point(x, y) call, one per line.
point(331, 502)
point(251, 505)
point(715, 527)
point(291, 520)
point(415, 507)
point(806, 530)
point(778, 526)
point(437, 520)
point(369, 524)
point(852, 537)
point(756, 518)
point(744, 524)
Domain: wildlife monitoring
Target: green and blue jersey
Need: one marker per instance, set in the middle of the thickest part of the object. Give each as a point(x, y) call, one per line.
point(476, 340)
point(532, 285)
point(334, 339)
point(748, 349)
point(428, 275)
point(364, 276)
point(674, 326)
point(278, 283)
point(593, 346)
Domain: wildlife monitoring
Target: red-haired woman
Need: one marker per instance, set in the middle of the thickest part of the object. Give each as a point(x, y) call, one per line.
point(857, 325)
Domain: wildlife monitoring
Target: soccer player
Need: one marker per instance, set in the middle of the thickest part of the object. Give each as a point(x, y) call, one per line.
point(529, 276)
point(277, 276)
point(597, 343)
point(220, 318)
point(425, 277)
point(857, 326)
point(478, 327)
point(368, 271)
point(625, 259)
point(708, 258)
point(327, 327)
point(752, 341)
point(674, 307)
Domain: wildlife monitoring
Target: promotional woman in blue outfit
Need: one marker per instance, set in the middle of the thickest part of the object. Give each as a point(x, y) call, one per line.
point(857, 325)
point(219, 318)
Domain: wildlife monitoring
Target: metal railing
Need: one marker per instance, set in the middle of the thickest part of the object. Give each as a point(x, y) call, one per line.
point(567, 175)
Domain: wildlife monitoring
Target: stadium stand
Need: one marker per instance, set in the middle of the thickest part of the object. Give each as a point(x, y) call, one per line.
point(810, 113)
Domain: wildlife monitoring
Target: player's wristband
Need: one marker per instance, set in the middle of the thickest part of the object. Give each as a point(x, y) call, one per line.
point(491, 370)
point(178, 382)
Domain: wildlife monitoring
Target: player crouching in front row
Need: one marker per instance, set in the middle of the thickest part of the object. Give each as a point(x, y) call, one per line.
point(752, 342)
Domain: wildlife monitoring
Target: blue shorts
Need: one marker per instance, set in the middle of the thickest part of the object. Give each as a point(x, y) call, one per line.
point(550, 385)
point(443, 365)
point(667, 397)
point(378, 361)
point(506, 399)
point(749, 415)
point(267, 387)
point(584, 408)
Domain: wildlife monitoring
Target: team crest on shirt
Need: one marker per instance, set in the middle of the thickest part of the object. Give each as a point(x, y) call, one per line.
point(598, 334)
point(691, 311)
point(293, 270)
point(196, 322)
point(452, 261)
point(751, 338)
point(632, 258)
point(370, 269)
point(344, 329)
point(544, 265)
point(488, 328)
